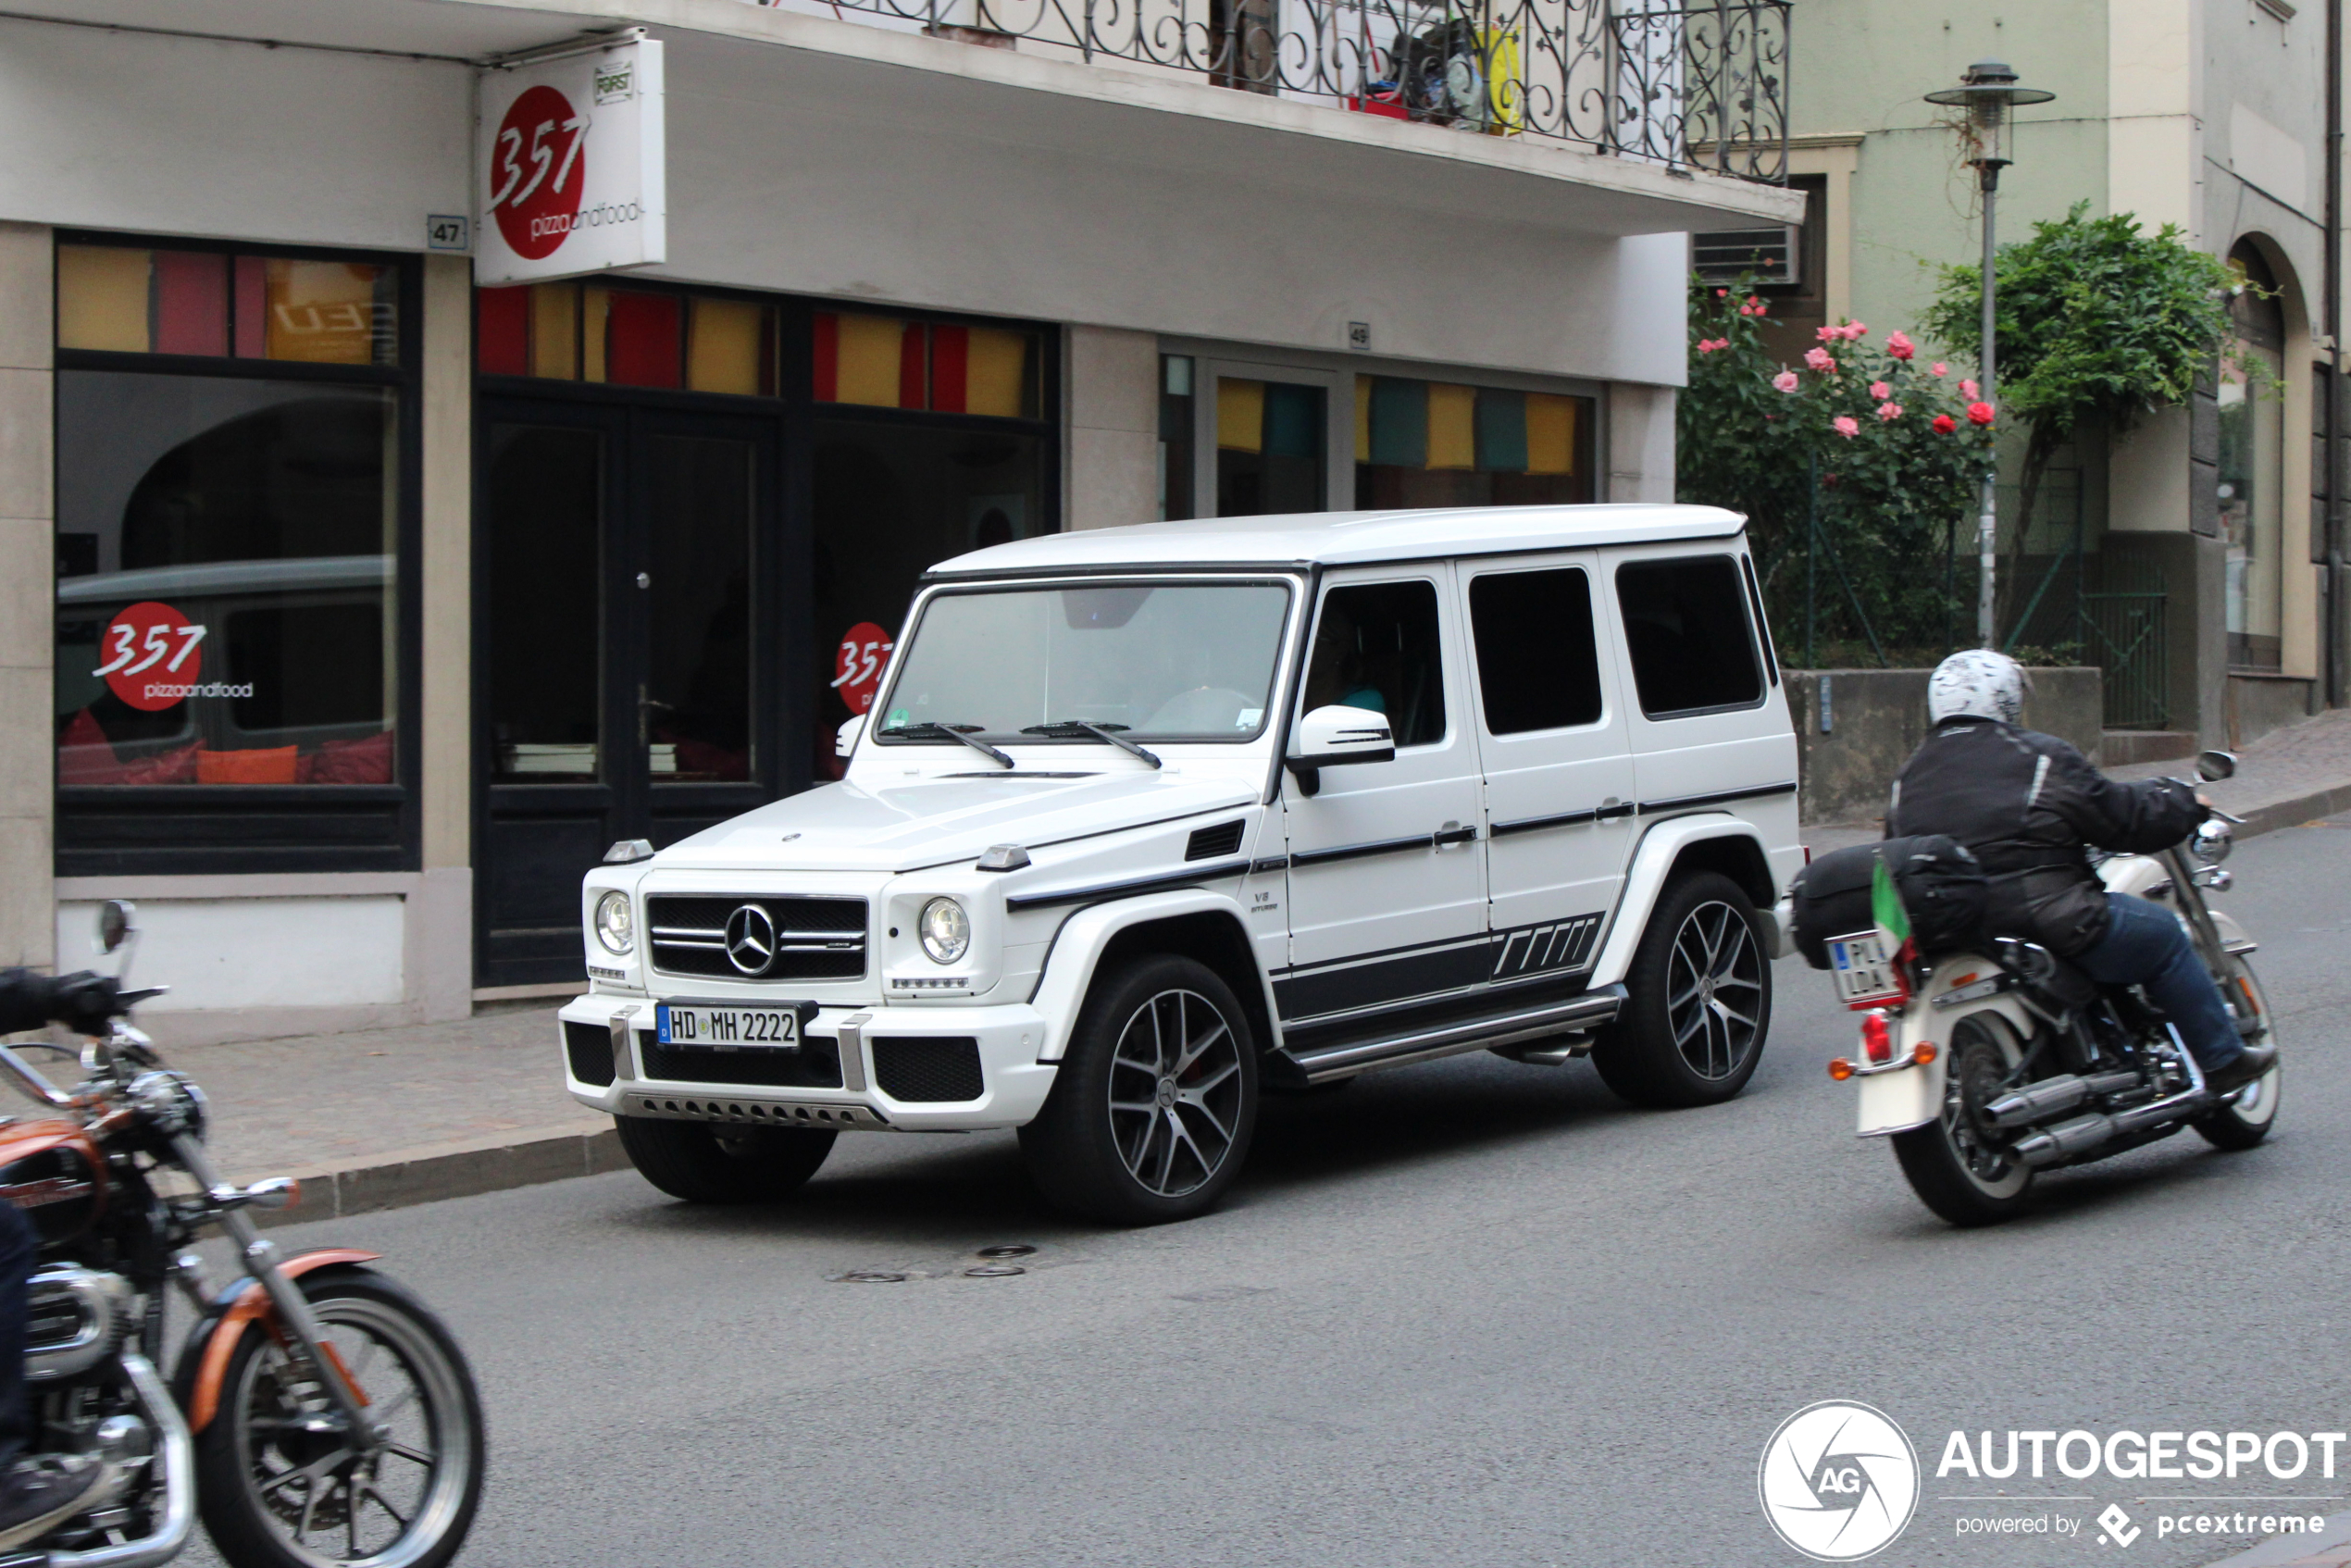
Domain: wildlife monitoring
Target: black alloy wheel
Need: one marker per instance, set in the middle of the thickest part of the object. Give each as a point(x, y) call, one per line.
point(1698, 1000)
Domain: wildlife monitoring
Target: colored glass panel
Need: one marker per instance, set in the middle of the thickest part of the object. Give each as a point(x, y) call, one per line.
point(950, 368)
point(723, 349)
point(1362, 418)
point(1502, 430)
point(102, 298)
point(826, 377)
point(192, 301)
point(1452, 426)
point(328, 312)
point(554, 330)
point(249, 313)
point(1400, 422)
point(642, 340)
point(595, 320)
point(1551, 433)
point(501, 331)
point(1240, 414)
point(1292, 414)
point(868, 365)
point(996, 379)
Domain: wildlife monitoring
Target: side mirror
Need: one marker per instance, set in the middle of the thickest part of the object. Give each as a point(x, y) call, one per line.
point(118, 920)
point(2213, 767)
point(845, 739)
point(1335, 736)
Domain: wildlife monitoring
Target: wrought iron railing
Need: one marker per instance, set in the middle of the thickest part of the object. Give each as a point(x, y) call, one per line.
point(1682, 83)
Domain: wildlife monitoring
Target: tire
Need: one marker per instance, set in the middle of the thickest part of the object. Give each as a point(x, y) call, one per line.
point(1698, 1000)
point(251, 1460)
point(2246, 1120)
point(1156, 1102)
point(703, 1163)
point(1953, 1164)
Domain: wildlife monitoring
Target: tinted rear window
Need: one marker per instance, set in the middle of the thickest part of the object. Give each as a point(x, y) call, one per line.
point(1686, 626)
point(1537, 664)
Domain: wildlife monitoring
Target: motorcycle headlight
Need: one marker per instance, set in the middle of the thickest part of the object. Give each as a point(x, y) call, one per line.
point(2212, 842)
point(616, 926)
point(946, 930)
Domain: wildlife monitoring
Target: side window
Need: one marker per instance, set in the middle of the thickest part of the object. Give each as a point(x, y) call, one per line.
point(1376, 647)
point(1686, 626)
point(1538, 667)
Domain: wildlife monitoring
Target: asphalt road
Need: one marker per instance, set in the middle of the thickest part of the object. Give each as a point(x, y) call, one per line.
point(1466, 1312)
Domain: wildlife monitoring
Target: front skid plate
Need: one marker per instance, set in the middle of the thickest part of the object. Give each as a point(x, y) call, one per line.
point(706, 1107)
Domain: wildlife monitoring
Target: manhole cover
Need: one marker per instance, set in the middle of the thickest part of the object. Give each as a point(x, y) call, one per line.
point(993, 1271)
point(1009, 1249)
point(869, 1276)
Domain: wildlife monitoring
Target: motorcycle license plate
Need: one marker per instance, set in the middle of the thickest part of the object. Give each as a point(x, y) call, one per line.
point(728, 1029)
point(1863, 971)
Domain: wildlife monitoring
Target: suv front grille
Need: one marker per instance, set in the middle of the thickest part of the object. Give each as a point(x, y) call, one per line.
point(757, 937)
point(817, 1065)
point(929, 1068)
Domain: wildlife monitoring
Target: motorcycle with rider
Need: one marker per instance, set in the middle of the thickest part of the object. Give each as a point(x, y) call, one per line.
point(2042, 979)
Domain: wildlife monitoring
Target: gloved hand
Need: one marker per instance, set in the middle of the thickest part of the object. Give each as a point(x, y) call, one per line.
point(83, 1002)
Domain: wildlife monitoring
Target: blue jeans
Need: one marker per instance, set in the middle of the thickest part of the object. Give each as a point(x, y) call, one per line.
point(2144, 946)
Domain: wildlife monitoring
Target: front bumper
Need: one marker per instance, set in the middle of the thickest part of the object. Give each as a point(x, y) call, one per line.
point(1013, 1083)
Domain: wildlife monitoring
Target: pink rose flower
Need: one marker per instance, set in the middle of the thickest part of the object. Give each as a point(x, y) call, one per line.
point(1899, 346)
point(1979, 413)
point(1945, 424)
point(1889, 412)
point(1706, 345)
point(1854, 329)
point(1880, 390)
point(1938, 368)
point(1818, 359)
point(1721, 293)
point(1845, 425)
point(1967, 389)
point(1828, 334)
point(1784, 380)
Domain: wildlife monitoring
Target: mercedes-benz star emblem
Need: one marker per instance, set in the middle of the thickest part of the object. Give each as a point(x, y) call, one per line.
point(751, 939)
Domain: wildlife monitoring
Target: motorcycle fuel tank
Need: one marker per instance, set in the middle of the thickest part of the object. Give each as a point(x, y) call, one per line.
point(52, 1172)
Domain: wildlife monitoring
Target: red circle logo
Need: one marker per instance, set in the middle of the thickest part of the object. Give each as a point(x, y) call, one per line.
point(153, 655)
point(857, 665)
point(536, 167)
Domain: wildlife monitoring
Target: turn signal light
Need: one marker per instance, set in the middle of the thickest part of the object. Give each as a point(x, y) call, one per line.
point(1877, 1040)
point(1840, 1069)
point(1924, 1054)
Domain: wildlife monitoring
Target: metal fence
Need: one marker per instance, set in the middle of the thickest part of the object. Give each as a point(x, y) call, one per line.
point(1682, 83)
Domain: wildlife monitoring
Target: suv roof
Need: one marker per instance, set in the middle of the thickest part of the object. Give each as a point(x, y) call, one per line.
point(1347, 538)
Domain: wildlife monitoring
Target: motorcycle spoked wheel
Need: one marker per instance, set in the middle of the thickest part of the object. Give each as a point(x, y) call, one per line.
point(2246, 1120)
point(1958, 1165)
point(279, 1486)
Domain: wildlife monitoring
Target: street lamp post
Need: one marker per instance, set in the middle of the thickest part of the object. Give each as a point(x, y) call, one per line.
point(1987, 91)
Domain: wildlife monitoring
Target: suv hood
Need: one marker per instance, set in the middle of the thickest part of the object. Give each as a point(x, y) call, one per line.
point(938, 821)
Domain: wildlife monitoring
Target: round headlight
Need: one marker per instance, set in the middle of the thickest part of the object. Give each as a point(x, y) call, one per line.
point(2212, 842)
point(947, 930)
point(615, 927)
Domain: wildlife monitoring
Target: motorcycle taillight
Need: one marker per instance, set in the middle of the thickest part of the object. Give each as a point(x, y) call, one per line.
point(1877, 1040)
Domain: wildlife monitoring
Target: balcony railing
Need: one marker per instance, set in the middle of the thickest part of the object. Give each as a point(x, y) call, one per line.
point(1682, 83)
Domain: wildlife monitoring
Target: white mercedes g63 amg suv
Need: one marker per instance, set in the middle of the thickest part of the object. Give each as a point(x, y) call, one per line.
point(1147, 822)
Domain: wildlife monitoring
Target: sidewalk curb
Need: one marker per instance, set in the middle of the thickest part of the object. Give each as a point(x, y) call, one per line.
point(2296, 810)
point(427, 1175)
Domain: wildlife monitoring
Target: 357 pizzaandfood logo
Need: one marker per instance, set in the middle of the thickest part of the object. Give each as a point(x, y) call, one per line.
point(1840, 1481)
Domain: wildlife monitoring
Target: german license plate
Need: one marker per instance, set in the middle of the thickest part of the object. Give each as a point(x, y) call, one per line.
point(728, 1029)
point(1863, 971)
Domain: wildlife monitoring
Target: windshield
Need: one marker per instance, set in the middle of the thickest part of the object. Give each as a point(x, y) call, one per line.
point(1152, 661)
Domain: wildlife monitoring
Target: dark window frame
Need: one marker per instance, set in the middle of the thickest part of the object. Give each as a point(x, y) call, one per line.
point(1327, 591)
point(197, 829)
point(1632, 654)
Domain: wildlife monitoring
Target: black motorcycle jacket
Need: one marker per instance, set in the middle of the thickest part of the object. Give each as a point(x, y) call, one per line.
point(2028, 805)
point(29, 1000)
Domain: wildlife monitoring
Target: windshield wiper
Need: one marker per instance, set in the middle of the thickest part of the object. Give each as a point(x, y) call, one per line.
point(928, 730)
point(1104, 732)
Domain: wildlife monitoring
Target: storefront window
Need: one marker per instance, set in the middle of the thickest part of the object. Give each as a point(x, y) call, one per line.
point(225, 580)
point(627, 337)
point(2250, 480)
point(883, 362)
point(119, 298)
point(1269, 447)
point(1435, 443)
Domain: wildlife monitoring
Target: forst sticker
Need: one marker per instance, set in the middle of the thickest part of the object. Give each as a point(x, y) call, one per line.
point(540, 165)
point(857, 665)
point(153, 655)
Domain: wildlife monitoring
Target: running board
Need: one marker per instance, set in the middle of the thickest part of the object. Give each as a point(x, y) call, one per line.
point(1589, 1011)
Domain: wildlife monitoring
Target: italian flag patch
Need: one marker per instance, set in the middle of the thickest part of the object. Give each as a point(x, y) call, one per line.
point(1892, 920)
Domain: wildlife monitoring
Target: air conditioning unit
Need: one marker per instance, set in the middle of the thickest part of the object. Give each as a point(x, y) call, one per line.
point(1768, 255)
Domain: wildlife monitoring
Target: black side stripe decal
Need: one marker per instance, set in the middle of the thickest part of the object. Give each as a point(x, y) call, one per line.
point(1163, 883)
point(1358, 852)
point(1722, 797)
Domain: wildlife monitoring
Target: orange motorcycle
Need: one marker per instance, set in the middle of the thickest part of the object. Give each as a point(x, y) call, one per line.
point(318, 1414)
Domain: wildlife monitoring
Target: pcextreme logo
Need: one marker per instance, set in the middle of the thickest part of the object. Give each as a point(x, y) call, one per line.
point(1838, 1481)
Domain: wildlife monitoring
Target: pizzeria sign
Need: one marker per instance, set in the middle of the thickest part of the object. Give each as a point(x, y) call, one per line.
point(572, 153)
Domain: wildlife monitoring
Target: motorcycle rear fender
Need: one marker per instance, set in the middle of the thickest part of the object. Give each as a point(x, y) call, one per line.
point(204, 1356)
point(1912, 1096)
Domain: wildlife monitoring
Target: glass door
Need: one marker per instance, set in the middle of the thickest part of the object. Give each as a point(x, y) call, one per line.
point(625, 623)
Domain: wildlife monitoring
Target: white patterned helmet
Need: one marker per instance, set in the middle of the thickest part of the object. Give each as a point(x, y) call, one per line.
point(1978, 683)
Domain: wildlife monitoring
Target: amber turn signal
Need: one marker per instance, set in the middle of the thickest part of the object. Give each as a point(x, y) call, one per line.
point(1924, 1054)
point(1840, 1069)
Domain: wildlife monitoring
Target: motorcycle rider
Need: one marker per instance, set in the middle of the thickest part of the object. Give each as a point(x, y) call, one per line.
point(37, 1495)
point(2029, 805)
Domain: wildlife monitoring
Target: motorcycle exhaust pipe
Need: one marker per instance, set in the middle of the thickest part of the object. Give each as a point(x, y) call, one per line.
point(2064, 1140)
point(2054, 1097)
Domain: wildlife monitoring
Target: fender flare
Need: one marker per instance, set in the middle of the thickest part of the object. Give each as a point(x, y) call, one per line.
point(1645, 879)
point(1077, 946)
point(204, 1355)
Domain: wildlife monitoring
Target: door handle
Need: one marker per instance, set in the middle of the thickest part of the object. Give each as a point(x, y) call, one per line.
point(1613, 807)
point(1452, 833)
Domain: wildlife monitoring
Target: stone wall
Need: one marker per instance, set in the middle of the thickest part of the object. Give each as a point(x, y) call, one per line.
point(1850, 748)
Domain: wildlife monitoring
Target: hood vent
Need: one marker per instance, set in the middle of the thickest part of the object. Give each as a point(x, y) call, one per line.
point(1214, 843)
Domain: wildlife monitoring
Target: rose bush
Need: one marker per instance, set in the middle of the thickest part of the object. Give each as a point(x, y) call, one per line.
point(1898, 453)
